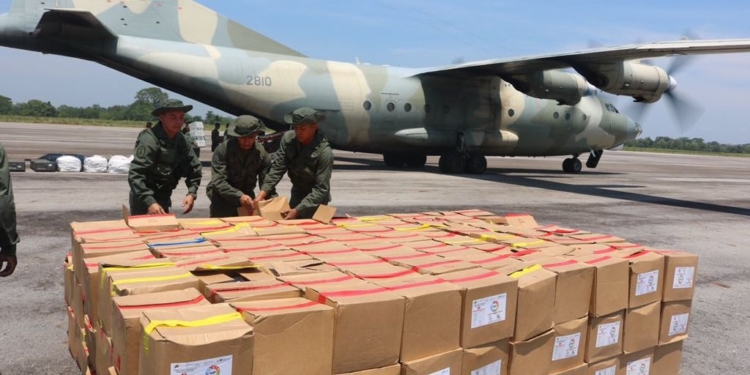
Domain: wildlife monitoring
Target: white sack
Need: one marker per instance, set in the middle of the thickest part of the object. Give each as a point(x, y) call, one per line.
point(95, 164)
point(68, 163)
point(119, 164)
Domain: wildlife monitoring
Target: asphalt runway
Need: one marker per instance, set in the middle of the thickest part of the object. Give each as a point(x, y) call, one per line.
point(695, 203)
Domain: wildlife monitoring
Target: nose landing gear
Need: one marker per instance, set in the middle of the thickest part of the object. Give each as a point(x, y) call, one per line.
point(572, 165)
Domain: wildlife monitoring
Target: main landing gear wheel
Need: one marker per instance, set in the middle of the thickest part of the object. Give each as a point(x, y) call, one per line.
point(572, 165)
point(453, 162)
point(416, 160)
point(476, 164)
point(398, 160)
point(393, 160)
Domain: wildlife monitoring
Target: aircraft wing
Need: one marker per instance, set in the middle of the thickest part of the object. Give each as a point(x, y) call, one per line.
point(532, 64)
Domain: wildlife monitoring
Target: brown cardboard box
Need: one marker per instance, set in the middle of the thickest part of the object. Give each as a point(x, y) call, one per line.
point(646, 278)
point(641, 328)
point(73, 332)
point(126, 314)
point(605, 337)
point(607, 367)
point(390, 370)
point(489, 304)
point(427, 333)
point(141, 223)
point(675, 318)
point(575, 281)
point(271, 209)
point(489, 359)
point(611, 283)
point(276, 256)
point(569, 345)
point(667, 359)
point(638, 363)
point(518, 220)
point(207, 337)
point(302, 281)
point(680, 275)
point(295, 326)
point(188, 252)
point(369, 323)
point(536, 302)
point(251, 291)
point(434, 265)
point(97, 249)
point(103, 355)
point(578, 370)
point(69, 277)
point(533, 356)
point(440, 364)
point(379, 272)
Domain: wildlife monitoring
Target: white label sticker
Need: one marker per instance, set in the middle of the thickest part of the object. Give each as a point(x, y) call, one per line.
point(683, 277)
point(607, 334)
point(607, 371)
point(566, 346)
point(491, 369)
point(212, 366)
point(640, 367)
point(488, 310)
point(647, 282)
point(445, 371)
point(679, 324)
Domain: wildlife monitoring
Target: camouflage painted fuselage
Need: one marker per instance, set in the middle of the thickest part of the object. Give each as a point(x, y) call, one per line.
point(369, 108)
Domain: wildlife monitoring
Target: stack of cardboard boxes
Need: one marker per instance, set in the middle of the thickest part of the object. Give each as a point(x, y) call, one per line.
point(434, 293)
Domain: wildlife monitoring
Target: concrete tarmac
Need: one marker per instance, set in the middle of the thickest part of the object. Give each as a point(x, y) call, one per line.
point(698, 204)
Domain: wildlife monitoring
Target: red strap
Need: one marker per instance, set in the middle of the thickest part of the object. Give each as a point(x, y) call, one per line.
point(167, 252)
point(278, 308)
point(275, 256)
point(524, 253)
point(162, 305)
point(342, 251)
point(596, 238)
point(598, 260)
point(349, 293)
point(475, 277)
point(605, 251)
point(493, 259)
point(252, 248)
point(358, 263)
point(561, 264)
point(638, 254)
point(410, 256)
point(436, 264)
point(417, 285)
point(432, 247)
point(382, 248)
point(386, 275)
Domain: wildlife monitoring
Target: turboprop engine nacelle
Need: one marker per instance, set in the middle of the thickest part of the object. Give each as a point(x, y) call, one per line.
point(645, 83)
point(566, 88)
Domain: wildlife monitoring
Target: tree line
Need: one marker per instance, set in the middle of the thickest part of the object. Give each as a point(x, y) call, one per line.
point(145, 101)
point(688, 144)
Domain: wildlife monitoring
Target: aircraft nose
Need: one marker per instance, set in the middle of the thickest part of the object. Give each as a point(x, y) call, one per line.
point(634, 129)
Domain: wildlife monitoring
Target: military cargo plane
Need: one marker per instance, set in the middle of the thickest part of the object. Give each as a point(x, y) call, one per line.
point(531, 106)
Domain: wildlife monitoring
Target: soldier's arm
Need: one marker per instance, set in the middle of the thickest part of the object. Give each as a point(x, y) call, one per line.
point(322, 188)
point(219, 175)
point(194, 173)
point(276, 172)
point(143, 161)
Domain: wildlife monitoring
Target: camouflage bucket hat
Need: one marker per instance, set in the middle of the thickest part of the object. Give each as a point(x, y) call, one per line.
point(172, 105)
point(245, 125)
point(304, 115)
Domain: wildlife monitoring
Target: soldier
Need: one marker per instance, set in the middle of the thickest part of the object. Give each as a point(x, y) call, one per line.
point(307, 157)
point(163, 156)
point(237, 166)
point(215, 137)
point(8, 235)
point(191, 141)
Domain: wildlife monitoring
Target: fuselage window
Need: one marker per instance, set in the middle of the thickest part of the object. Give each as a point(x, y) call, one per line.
point(391, 107)
point(367, 105)
point(511, 112)
point(407, 107)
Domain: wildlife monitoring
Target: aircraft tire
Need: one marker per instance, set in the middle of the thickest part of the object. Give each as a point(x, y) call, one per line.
point(476, 164)
point(575, 166)
point(416, 160)
point(566, 165)
point(393, 160)
point(453, 162)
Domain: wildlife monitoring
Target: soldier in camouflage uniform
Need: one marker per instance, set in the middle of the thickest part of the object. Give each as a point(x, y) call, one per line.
point(306, 155)
point(237, 166)
point(163, 156)
point(8, 235)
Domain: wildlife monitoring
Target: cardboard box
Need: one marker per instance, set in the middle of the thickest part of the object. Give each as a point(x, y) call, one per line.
point(390, 370)
point(569, 345)
point(73, 332)
point(641, 328)
point(302, 281)
point(69, 277)
point(142, 223)
point(536, 302)
point(605, 337)
point(575, 281)
point(489, 304)
point(379, 272)
point(212, 337)
point(607, 367)
point(667, 359)
point(187, 252)
point(441, 364)
point(427, 333)
point(680, 275)
point(103, 355)
point(97, 249)
point(532, 356)
point(251, 291)
point(277, 256)
point(578, 370)
point(434, 265)
point(646, 278)
point(126, 315)
point(490, 359)
point(295, 326)
point(369, 323)
point(611, 283)
point(638, 363)
point(271, 209)
point(675, 318)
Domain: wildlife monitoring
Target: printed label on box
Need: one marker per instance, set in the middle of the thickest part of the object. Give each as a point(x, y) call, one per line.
point(607, 371)
point(445, 371)
point(683, 277)
point(647, 283)
point(488, 310)
point(640, 367)
point(566, 346)
point(491, 369)
point(679, 324)
point(212, 366)
point(608, 334)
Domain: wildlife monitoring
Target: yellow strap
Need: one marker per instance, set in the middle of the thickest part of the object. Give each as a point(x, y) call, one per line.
point(233, 229)
point(148, 280)
point(526, 271)
point(106, 270)
point(527, 244)
point(486, 237)
point(218, 319)
point(209, 222)
point(374, 218)
point(421, 227)
point(225, 268)
point(468, 240)
point(356, 225)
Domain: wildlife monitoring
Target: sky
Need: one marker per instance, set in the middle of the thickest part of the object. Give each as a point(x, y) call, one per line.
point(421, 33)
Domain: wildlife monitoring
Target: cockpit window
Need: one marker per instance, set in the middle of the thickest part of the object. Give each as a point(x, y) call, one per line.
point(611, 108)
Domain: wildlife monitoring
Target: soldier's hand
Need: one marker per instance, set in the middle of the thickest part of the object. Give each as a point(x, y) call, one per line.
point(247, 202)
point(188, 204)
point(10, 265)
point(155, 209)
point(291, 214)
point(261, 196)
